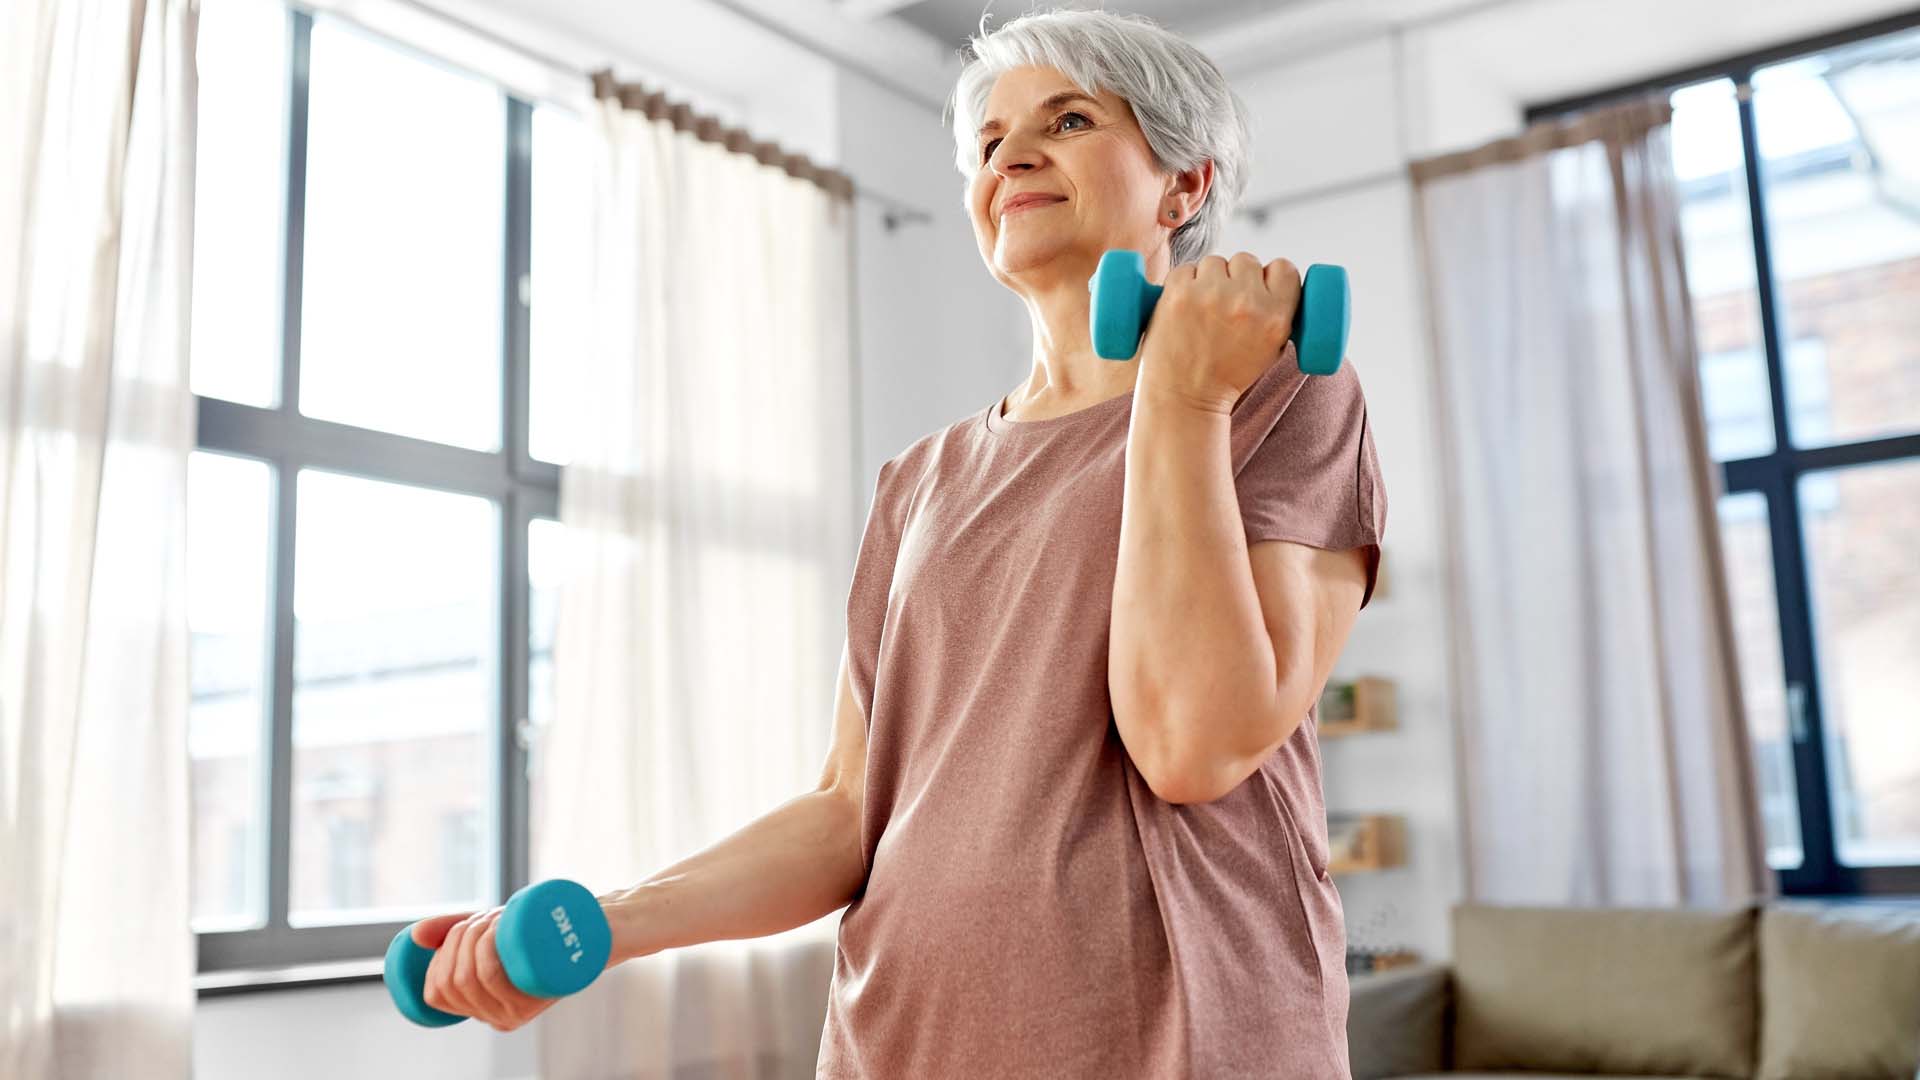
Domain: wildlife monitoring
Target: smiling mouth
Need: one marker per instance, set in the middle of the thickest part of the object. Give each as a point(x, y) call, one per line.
point(1032, 204)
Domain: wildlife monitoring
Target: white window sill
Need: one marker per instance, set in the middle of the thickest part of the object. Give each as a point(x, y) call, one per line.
point(293, 976)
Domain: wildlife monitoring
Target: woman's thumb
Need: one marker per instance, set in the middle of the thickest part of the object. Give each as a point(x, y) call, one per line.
point(429, 933)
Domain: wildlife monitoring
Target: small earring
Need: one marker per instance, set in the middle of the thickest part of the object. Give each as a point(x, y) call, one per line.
point(1173, 213)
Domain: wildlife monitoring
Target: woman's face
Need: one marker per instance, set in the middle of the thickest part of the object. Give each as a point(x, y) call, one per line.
point(1088, 156)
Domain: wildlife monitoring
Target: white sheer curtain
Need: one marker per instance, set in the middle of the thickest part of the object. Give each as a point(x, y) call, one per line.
point(1604, 757)
point(710, 522)
point(97, 102)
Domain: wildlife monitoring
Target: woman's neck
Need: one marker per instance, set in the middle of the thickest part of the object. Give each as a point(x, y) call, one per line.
point(1066, 373)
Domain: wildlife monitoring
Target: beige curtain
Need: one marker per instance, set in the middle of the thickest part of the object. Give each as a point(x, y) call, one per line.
point(709, 518)
point(97, 101)
point(1603, 753)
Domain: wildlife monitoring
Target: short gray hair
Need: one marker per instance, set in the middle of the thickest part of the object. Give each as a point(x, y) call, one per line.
point(1179, 96)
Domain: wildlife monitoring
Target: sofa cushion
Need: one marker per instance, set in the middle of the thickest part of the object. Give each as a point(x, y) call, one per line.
point(1839, 990)
point(1396, 1021)
point(1636, 991)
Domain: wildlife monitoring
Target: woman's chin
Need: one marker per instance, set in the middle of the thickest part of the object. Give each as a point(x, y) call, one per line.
point(1016, 256)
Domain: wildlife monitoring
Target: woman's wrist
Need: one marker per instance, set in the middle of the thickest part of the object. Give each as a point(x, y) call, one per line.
point(633, 917)
point(1162, 393)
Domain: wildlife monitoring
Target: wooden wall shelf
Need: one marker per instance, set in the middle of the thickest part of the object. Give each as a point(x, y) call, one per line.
point(1363, 842)
point(1351, 706)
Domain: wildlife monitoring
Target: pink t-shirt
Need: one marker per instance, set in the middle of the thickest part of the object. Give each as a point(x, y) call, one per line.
point(1032, 908)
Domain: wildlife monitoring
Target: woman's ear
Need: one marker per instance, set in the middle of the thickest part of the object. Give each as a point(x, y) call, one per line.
point(1188, 192)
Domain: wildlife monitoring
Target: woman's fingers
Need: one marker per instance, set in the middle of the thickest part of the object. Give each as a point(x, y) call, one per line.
point(465, 984)
point(429, 933)
point(487, 982)
point(481, 981)
point(483, 989)
point(515, 1006)
point(1283, 280)
point(442, 990)
point(466, 977)
point(489, 978)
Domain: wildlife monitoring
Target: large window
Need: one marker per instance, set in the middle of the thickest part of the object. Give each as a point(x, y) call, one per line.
point(389, 265)
point(1799, 174)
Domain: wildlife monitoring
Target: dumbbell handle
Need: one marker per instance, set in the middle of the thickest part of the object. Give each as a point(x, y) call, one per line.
point(552, 938)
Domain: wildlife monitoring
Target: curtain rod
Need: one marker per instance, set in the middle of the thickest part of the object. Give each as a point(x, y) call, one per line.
point(657, 106)
point(684, 118)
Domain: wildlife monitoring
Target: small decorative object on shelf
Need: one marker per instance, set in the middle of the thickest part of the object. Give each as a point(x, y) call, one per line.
point(1348, 706)
point(1370, 944)
point(1359, 842)
point(1361, 961)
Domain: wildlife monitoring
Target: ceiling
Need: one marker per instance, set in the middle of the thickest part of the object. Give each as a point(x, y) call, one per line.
point(952, 22)
point(913, 46)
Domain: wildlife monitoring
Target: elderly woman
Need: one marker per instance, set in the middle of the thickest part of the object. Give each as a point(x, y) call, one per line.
point(1073, 803)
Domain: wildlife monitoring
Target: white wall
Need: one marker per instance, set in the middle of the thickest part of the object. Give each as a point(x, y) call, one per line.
point(938, 336)
point(352, 1030)
point(1318, 122)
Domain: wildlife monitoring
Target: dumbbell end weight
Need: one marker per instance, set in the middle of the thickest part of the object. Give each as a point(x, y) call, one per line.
point(406, 979)
point(1121, 303)
point(557, 940)
point(1326, 314)
point(552, 938)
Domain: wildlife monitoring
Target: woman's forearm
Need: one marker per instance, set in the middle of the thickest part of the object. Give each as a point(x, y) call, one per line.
point(786, 868)
point(1187, 642)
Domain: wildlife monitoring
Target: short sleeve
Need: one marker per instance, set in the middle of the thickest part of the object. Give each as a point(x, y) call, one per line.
point(1307, 471)
point(872, 583)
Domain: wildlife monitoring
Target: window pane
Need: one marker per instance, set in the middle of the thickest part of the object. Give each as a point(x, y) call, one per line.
point(395, 691)
point(1739, 413)
point(545, 569)
point(1860, 524)
point(229, 618)
point(1748, 548)
point(400, 321)
point(1840, 160)
point(239, 199)
point(1717, 232)
point(558, 319)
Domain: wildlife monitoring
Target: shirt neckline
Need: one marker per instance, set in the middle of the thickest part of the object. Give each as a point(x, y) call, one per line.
point(1001, 427)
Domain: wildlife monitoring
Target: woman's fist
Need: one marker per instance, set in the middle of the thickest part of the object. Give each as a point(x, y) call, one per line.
point(1218, 325)
point(465, 976)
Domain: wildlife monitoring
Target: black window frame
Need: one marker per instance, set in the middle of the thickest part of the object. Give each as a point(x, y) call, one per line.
point(1776, 475)
point(521, 487)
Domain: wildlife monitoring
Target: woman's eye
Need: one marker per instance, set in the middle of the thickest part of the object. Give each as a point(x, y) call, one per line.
point(987, 150)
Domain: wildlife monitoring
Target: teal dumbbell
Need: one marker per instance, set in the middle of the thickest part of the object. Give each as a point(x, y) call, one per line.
point(552, 937)
point(1123, 301)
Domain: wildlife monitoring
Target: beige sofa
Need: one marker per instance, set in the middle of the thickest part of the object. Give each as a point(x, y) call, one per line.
point(1789, 990)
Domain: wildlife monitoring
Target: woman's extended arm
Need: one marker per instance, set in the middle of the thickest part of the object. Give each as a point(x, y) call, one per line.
point(798, 862)
point(790, 866)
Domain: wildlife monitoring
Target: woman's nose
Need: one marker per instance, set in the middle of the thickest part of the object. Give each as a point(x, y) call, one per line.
point(1015, 154)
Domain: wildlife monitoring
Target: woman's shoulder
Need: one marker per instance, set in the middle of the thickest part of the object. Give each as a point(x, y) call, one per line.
point(927, 451)
point(1284, 390)
point(902, 472)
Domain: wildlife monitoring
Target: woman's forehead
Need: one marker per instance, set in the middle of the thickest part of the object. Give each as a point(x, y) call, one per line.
point(1036, 89)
